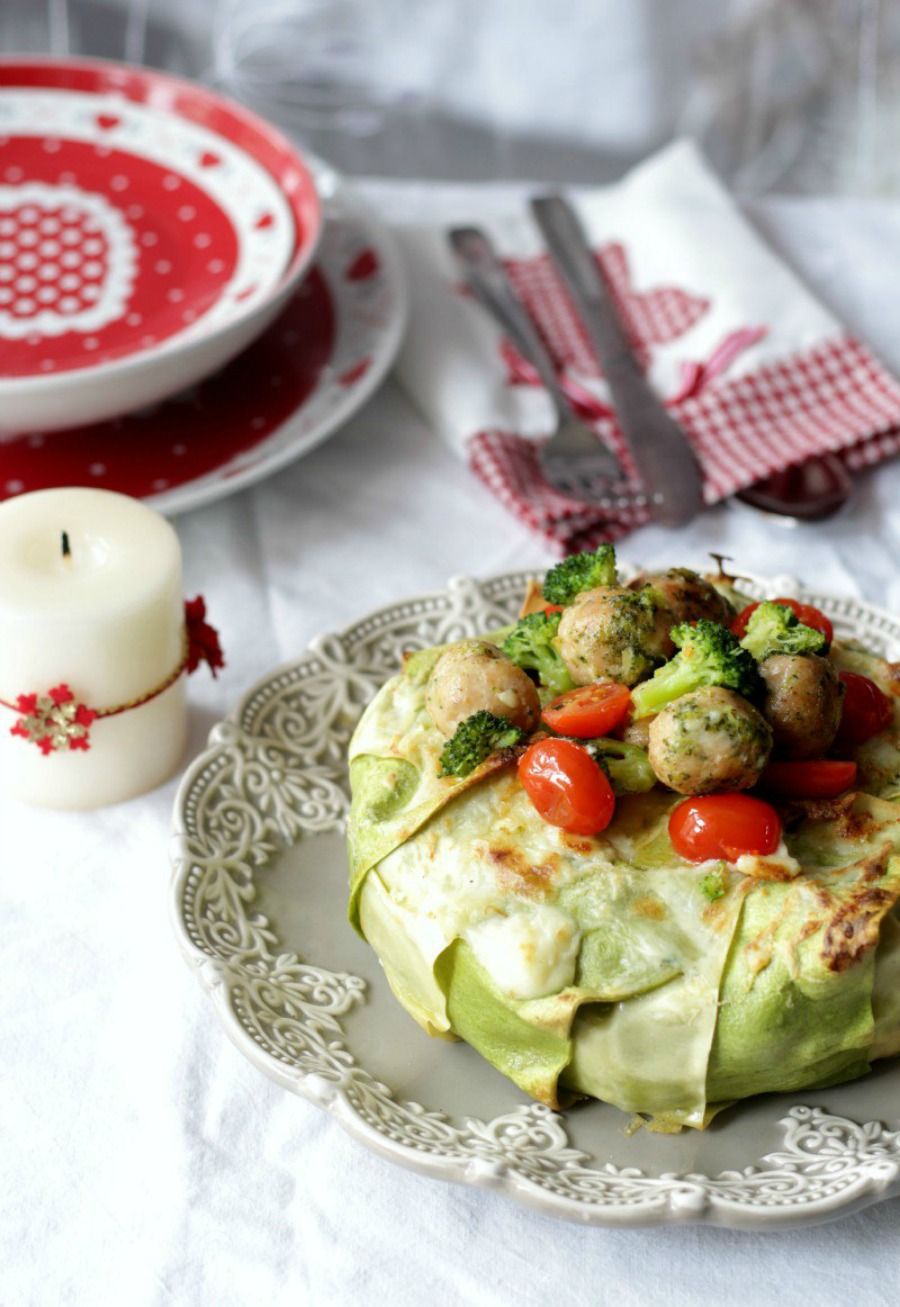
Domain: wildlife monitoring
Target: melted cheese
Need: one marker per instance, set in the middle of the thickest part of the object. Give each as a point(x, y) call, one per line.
point(779, 865)
point(455, 873)
point(530, 953)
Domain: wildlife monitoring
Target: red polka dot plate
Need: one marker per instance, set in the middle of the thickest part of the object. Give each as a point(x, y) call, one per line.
point(320, 359)
point(149, 230)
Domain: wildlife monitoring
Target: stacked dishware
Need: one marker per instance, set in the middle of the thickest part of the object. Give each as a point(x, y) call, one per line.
point(151, 234)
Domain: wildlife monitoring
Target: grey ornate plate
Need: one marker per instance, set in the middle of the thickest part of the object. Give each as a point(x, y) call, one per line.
point(258, 898)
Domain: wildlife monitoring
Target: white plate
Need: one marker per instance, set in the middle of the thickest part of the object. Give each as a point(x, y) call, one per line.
point(259, 904)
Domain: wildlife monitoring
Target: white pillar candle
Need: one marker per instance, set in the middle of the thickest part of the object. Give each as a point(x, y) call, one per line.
point(102, 612)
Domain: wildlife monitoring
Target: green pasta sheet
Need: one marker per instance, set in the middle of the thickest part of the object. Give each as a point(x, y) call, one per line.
point(690, 985)
point(645, 930)
point(886, 990)
point(661, 953)
point(528, 1042)
point(395, 780)
point(797, 1007)
point(408, 969)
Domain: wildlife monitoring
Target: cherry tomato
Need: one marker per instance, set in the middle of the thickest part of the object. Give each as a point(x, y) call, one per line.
point(823, 778)
point(567, 787)
point(553, 608)
point(588, 712)
point(804, 613)
point(866, 711)
point(724, 826)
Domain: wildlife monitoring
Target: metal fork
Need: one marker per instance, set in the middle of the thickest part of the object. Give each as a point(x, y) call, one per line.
point(574, 460)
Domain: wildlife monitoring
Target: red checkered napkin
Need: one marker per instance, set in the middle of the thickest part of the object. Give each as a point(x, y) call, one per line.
point(758, 373)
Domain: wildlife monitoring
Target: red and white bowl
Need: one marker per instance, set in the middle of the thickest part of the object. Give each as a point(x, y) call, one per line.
point(149, 230)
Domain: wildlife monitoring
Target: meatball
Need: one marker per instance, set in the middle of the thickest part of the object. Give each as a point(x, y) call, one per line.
point(802, 703)
point(685, 596)
point(688, 596)
point(711, 739)
point(611, 634)
point(475, 676)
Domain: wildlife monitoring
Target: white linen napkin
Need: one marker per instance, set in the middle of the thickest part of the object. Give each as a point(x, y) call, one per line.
point(760, 375)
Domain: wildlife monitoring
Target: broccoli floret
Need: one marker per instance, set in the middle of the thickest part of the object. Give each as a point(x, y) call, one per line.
point(712, 886)
point(776, 629)
point(580, 572)
point(475, 739)
point(710, 655)
point(626, 765)
point(531, 645)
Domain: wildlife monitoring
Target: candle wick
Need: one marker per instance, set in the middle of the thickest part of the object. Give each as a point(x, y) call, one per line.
point(64, 545)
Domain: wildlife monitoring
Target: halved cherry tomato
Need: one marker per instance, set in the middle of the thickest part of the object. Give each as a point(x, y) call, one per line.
point(805, 613)
point(724, 826)
point(823, 778)
point(866, 710)
point(567, 787)
point(588, 712)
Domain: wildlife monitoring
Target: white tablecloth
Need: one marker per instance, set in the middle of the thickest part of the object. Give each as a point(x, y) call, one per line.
point(142, 1160)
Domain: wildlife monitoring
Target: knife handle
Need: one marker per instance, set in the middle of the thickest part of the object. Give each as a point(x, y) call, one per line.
point(574, 258)
point(662, 455)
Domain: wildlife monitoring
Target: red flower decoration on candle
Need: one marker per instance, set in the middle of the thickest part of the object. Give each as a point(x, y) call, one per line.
point(203, 639)
point(54, 721)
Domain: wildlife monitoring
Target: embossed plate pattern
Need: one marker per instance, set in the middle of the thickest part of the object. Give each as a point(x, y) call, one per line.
point(258, 899)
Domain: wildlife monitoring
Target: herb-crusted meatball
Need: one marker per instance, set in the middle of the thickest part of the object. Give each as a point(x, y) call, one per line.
point(683, 596)
point(474, 676)
point(711, 739)
point(611, 634)
point(688, 596)
point(802, 703)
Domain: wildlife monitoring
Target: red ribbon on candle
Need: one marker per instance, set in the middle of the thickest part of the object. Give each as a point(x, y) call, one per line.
point(57, 723)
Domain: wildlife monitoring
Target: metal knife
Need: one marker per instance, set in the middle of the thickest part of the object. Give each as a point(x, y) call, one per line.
point(664, 459)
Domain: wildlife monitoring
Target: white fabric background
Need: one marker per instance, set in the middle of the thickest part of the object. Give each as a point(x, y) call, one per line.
point(142, 1160)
